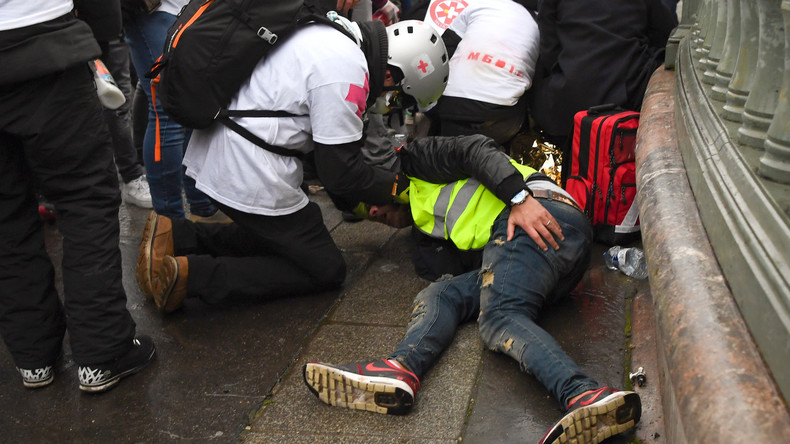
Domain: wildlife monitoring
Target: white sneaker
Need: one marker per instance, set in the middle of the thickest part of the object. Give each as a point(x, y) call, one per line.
point(136, 192)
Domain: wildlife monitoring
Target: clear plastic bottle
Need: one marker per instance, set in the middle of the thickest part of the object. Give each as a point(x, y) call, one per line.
point(400, 140)
point(631, 261)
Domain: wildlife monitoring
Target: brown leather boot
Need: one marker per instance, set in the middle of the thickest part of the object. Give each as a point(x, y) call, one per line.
point(217, 218)
point(170, 283)
point(157, 242)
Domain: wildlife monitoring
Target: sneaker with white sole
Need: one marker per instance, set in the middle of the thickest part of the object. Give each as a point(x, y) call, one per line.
point(97, 378)
point(596, 416)
point(137, 192)
point(38, 377)
point(376, 386)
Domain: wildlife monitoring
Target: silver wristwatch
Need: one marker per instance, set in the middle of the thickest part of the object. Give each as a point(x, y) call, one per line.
point(519, 198)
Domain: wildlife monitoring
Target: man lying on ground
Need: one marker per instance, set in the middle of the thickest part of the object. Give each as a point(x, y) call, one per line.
point(464, 189)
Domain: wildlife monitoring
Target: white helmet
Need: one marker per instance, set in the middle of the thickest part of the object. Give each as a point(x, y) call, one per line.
point(419, 52)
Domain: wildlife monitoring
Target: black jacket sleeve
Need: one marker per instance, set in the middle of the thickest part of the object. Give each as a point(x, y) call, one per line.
point(348, 179)
point(447, 159)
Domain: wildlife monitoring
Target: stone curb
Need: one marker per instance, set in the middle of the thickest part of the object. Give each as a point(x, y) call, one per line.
point(715, 385)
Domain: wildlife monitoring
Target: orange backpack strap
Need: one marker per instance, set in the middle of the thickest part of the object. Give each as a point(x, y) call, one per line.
point(158, 146)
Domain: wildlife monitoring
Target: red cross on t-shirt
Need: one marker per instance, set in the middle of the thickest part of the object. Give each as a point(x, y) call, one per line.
point(358, 95)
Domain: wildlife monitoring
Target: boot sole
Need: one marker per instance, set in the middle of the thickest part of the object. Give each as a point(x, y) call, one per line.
point(39, 384)
point(163, 300)
point(144, 257)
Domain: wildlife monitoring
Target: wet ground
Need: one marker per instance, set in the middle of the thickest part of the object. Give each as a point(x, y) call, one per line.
point(229, 374)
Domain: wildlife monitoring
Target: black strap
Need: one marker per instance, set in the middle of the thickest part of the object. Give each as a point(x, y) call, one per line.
point(606, 108)
point(255, 113)
point(224, 118)
point(322, 19)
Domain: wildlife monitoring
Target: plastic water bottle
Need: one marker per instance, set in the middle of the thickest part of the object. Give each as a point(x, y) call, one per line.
point(400, 140)
point(110, 95)
point(631, 261)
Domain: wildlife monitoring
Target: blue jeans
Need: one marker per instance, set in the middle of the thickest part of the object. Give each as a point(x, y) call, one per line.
point(146, 35)
point(516, 281)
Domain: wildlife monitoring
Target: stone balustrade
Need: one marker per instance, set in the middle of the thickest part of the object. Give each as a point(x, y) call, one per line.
point(732, 110)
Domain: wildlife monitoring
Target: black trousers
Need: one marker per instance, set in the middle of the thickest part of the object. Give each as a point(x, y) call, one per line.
point(455, 116)
point(53, 140)
point(259, 257)
point(434, 258)
point(119, 121)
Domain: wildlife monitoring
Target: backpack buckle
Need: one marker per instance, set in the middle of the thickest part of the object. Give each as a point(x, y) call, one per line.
point(267, 35)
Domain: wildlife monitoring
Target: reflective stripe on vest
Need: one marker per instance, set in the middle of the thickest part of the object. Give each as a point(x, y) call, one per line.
point(462, 211)
point(445, 216)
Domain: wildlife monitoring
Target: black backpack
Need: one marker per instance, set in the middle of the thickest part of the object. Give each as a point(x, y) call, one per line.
point(213, 47)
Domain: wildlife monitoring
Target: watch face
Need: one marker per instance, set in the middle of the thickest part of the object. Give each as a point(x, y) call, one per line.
point(520, 197)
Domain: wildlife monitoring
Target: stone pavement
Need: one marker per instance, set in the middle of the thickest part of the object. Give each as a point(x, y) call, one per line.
point(472, 395)
point(233, 374)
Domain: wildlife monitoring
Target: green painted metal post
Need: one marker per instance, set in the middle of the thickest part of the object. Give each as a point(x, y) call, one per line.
point(729, 58)
point(741, 83)
point(775, 163)
point(717, 44)
point(761, 104)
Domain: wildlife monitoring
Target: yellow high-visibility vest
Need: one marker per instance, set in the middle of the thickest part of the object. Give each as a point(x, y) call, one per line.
point(462, 211)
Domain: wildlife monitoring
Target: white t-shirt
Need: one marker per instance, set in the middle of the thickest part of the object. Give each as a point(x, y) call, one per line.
point(318, 74)
point(495, 61)
point(20, 13)
point(172, 6)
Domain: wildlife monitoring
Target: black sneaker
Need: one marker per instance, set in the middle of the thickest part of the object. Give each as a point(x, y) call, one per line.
point(38, 377)
point(350, 217)
point(102, 377)
point(598, 415)
point(376, 386)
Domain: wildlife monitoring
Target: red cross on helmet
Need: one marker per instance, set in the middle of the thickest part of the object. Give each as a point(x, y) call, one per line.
point(419, 52)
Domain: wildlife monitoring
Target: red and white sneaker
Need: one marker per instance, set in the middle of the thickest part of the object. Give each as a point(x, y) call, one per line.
point(598, 415)
point(376, 386)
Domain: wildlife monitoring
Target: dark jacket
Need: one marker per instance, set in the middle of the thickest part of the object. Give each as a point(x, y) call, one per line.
point(444, 160)
point(55, 45)
point(103, 16)
point(447, 159)
point(594, 52)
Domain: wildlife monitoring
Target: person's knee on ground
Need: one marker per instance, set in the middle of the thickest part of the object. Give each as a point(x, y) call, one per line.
point(330, 276)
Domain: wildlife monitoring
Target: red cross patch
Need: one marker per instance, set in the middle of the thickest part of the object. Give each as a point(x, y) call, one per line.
point(443, 12)
point(423, 64)
point(358, 95)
